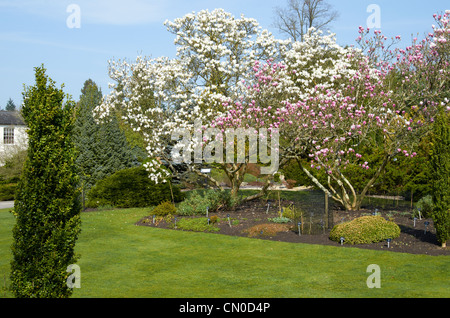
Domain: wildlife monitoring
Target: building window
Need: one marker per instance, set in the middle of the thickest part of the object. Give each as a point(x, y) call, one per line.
point(8, 136)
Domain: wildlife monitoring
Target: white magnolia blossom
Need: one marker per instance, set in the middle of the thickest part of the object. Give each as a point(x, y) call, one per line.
point(213, 73)
point(215, 54)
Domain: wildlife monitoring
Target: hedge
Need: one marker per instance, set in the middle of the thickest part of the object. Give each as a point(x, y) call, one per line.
point(129, 188)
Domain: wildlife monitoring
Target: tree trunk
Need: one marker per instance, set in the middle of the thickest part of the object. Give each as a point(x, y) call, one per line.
point(235, 174)
point(352, 201)
point(259, 194)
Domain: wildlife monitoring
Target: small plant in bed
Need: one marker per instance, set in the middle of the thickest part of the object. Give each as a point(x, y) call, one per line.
point(195, 225)
point(280, 219)
point(267, 229)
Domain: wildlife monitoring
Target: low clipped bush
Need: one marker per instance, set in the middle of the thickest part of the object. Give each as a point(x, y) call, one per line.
point(364, 230)
point(131, 188)
point(164, 208)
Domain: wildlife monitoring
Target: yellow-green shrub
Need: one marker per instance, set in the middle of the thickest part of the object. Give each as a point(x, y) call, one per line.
point(164, 208)
point(291, 212)
point(365, 229)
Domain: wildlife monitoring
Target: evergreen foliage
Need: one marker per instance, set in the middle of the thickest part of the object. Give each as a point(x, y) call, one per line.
point(102, 147)
point(440, 177)
point(129, 188)
point(46, 207)
point(10, 106)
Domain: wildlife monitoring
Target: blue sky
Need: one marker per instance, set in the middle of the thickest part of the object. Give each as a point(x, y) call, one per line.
point(33, 32)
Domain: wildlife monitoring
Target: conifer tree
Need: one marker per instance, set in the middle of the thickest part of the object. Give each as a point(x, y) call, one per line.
point(102, 147)
point(440, 177)
point(47, 199)
point(10, 106)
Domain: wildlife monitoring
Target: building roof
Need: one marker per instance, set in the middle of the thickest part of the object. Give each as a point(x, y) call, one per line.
point(11, 118)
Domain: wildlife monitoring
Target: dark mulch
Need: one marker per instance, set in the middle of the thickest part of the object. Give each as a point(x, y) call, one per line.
point(412, 239)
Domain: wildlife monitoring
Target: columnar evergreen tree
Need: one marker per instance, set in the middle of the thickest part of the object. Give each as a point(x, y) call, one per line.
point(47, 207)
point(440, 176)
point(85, 131)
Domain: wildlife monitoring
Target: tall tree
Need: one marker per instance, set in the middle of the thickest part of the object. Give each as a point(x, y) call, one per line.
point(351, 106)
point(102, 147)
point(215, 53)
point(300, 15)
point(46, 208)
point(10, 106)
point(440, 177)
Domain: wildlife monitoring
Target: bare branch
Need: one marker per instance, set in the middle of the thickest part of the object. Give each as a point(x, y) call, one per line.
point(300, 15)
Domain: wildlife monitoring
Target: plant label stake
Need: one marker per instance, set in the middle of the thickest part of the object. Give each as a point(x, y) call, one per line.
point(153, 221)
point(268, 206)
point(342, 240)
point(299, 230)
point(175, 222)
point(420, 215)
point(388, 241)
point(229, 221)
point(415, 221)
point(208, 220)
point(207, 209)
point(426, 226)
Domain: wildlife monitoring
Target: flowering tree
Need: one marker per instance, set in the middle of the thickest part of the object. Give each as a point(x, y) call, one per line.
point(215, 54)
point(329, 102)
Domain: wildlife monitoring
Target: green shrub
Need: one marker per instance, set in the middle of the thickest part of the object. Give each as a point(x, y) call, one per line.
point(165, 208)
point(131, 188)
point(196, 203)
point(292, 213)
point(47, 208)
point(7, 191)
point(280, 219)
point(365, 229)
point(425, 205)
point(196, 225)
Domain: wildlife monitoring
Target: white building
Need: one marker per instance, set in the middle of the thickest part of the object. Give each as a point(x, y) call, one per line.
point(13, 135)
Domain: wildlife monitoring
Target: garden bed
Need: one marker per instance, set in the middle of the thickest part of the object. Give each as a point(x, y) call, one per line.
point(251, 220)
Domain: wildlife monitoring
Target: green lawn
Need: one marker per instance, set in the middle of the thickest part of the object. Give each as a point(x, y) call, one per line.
point(119, 259)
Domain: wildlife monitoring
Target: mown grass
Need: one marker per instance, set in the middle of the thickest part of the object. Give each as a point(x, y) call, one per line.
point(120, 259)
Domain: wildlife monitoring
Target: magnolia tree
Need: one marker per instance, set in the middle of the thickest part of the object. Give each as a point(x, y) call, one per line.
point(175, 100)
point(315, 99)
point(329, 102)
